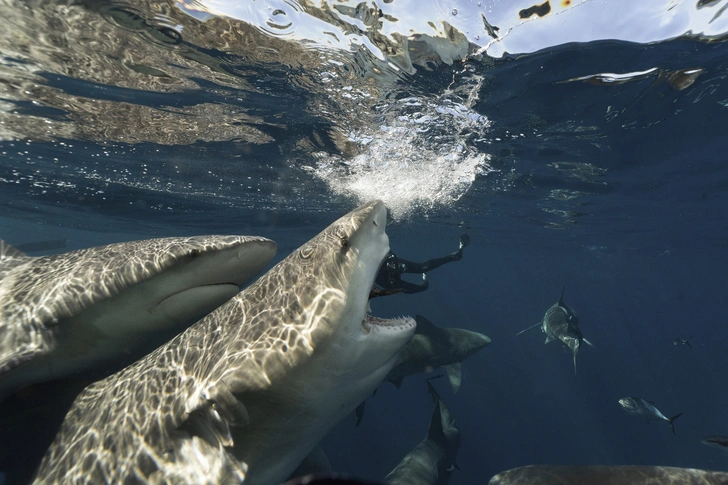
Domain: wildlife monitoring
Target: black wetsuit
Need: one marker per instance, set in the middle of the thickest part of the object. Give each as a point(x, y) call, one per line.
point(390, 274)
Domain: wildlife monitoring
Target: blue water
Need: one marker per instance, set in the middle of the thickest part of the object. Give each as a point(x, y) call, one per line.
point(616, 191)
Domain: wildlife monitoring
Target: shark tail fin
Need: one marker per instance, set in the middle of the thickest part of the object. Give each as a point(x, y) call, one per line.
point(672, 420)
point(529, 328)
point(687, 342)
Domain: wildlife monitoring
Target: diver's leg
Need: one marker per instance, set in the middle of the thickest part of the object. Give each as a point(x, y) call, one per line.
point(431, 264)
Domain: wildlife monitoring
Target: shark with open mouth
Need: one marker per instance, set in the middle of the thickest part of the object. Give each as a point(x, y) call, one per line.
point(250, 390)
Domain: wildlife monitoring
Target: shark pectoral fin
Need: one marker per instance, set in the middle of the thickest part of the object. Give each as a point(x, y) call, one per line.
point(529, 328)
point(454, 375)
point(589, 343)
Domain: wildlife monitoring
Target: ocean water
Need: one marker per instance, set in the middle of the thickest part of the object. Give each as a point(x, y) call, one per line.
point(583, 149)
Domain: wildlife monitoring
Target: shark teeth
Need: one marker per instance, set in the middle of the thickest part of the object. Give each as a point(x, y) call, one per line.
point(371, 322)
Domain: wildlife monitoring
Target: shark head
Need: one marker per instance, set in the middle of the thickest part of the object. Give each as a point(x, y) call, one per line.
point(69, 312)
point(311, 352)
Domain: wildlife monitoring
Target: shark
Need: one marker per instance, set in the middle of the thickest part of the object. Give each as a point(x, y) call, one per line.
point(433, 347)
point(432, 460)
point(561, 323)
point(607, 475)
point(73, 311)
point(247, 392)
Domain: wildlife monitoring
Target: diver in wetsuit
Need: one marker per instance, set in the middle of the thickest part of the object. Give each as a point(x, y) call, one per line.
point(389, 278)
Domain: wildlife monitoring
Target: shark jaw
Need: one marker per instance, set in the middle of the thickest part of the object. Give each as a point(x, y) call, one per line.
point(348, 354)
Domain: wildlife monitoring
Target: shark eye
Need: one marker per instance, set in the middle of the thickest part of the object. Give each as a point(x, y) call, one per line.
point(194, 253)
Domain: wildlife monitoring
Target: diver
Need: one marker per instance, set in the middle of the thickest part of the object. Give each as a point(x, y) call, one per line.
point(389, 279)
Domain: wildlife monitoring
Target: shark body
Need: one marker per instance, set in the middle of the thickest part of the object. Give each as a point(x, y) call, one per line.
point(72, 311)
point(432, 348)
point(608, 475)
point(247, 392)
point(561, 323)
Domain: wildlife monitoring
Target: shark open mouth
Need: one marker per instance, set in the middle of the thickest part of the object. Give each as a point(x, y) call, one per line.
point(371, 322)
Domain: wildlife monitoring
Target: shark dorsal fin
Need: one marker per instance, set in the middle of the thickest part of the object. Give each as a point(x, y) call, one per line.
point(454, 375)
point(561, 298)
point(424, 326)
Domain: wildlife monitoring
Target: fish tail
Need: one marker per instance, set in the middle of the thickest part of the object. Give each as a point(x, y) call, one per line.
point(671, 420)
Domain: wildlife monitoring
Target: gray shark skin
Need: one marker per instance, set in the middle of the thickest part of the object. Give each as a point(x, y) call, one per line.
point(561, 323)
point(250, 390)
point(67, 312)
point(433, 347)
point(432, 460)
point(608, 475)
point(636, 406)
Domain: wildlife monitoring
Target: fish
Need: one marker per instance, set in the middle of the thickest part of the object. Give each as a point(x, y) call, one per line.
point(682, 341)
point(73, 311)
point(717, 442)
point(561, 323)
point(433, 347)
point(608, 475)
point(637, 406)
point(433, 459)
point(250, 390)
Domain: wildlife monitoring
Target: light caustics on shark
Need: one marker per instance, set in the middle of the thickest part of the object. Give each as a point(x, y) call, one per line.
point(70, 312)
point(248, 391)
point(607, 475)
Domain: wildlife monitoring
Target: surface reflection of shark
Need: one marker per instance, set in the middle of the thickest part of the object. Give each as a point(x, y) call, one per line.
point(561, 323)
point(72, 311)
point(250, 390)
point(608, 475)
point(432, 460)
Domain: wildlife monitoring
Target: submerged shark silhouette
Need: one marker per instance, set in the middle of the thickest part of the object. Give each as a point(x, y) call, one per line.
point(561, 323)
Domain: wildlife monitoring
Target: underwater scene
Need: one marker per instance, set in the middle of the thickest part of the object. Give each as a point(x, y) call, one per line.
point(409, 242)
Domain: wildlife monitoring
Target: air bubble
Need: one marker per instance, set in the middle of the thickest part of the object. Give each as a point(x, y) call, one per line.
point(454, 11)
